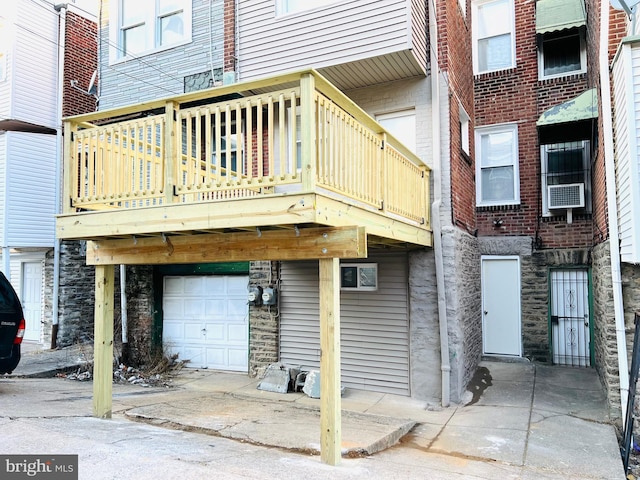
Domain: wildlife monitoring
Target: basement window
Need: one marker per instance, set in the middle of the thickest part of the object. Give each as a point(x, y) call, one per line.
point(359, 276)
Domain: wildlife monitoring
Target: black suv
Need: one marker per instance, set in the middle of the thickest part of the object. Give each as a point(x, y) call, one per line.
point(11, 326)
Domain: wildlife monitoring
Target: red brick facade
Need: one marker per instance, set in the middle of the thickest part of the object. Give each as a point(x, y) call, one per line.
point(81, 60)
point(454, 28)
point(229, 60)
point(517, 96)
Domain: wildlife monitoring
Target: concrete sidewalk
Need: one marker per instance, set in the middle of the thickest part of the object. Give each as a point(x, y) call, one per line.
point(538, 421)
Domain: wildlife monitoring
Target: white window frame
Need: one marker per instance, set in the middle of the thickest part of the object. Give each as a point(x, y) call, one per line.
point(288, 7)
point(407, 137)
point(586, 165)
point(495, 130)
point(371, 283)
point(464, 130)
point(152, 21)
point(510, 29)
point(583, 57)
point(463, 7)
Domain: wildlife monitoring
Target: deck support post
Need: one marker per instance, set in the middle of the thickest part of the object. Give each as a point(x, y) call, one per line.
point(103, 342)
point(330, 401)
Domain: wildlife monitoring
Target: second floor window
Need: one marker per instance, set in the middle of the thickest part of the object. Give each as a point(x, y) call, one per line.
point(566, 179)
point(497, 176)
point(493, 35)
point(562, 53)
point(144, 27)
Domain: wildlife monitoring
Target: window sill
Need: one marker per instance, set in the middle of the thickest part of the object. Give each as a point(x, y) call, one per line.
point(569, 76)
point(494, 73)
point(497, 208)
point(563, 218)
point(115, 60)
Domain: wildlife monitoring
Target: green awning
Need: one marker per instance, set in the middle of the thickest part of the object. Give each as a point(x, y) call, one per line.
point(554, 15)
point(583, 107)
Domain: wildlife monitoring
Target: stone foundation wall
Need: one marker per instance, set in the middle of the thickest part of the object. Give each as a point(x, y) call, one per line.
point(534, 278)
point(604, 329)
point(461, 257)
point(264, 321)
point(140, 313)
point(424, 333)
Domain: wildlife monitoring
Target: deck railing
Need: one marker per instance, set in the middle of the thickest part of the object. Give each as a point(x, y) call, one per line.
point(301, 135)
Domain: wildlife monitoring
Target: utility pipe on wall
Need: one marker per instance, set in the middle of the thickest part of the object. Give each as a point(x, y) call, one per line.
point(614, 249)
point(445, 365)
point(62, 25)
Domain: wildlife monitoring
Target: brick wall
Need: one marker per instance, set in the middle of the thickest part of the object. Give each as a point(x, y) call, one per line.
point(516, 96)
point(81, 60)
point(454, 28)
point(229, 55)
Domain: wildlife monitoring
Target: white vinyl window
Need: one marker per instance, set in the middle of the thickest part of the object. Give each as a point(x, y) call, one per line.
point(284, 7)
point(497, 175)
point(138, 28)
point(401, 125)
point(464, 130)
point(359, 276)
point(566, 176)
point(493, 35)
point(562, 53)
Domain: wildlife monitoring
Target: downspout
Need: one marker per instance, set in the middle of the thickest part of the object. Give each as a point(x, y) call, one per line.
point(62, 25)
point(445, 366)
point(616, 276)
point(123, 313)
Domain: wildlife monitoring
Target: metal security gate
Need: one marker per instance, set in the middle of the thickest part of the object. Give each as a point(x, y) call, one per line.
point(570, 318)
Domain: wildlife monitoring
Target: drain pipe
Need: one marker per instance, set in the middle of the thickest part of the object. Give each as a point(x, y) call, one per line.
point(62, 25)
point(123, 313)
point(616, 276)
point(445, 365)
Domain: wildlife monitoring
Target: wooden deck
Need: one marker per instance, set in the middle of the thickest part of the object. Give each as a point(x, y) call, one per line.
point(279, 169)
point(290, 152)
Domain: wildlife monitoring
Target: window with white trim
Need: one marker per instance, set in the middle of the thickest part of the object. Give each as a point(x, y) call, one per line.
point(359, 276)
point(464, 130)
point(138, 28)
point(497, 174)
point(284, 7)
point(402, 125)
point(566, 177)
point(493, 29)
point(562, 53)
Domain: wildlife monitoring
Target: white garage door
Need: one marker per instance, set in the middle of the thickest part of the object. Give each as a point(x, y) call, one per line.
point(206, 320)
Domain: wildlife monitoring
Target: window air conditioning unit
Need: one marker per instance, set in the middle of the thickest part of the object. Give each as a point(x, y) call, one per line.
point(570, 195)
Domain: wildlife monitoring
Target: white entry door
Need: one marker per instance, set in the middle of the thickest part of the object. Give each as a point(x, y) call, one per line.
point(206, 320)
point(570, 336)
point(32, 300)
point(501, 331)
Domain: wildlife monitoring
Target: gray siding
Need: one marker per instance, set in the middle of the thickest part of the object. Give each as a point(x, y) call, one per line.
point(342, 32)
point(30, 189)
point(161, 74)
point(374, 325)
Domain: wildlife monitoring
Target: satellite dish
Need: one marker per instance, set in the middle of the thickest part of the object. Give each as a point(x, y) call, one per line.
point(92, 90)
point(626, 5)
point(92, 83)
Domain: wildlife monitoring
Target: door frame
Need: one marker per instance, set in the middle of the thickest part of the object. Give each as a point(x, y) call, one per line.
point(23, 263)
point(485, 258)
point(592, 355)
